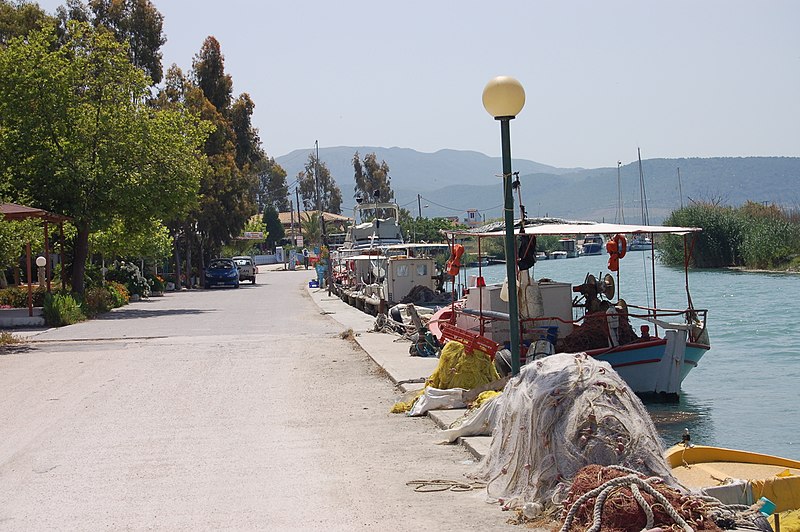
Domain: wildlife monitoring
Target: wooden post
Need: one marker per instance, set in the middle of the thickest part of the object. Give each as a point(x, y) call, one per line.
point(30, 289)
point(47, 255)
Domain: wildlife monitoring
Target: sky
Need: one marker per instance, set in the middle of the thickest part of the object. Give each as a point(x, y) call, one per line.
point(677, 78)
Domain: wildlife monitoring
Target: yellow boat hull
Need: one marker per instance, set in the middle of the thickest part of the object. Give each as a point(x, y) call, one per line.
point(762, 475)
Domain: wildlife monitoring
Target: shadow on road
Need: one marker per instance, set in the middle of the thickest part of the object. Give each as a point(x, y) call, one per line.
point(130, 313)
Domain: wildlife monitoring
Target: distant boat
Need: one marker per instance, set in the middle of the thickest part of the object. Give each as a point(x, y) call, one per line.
point(569, 247)
point(640, 243)
point(592, 245)
point(558, 254)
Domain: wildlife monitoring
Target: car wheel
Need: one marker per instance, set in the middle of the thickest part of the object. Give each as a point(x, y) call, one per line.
point(253, 280)
point(236, 285)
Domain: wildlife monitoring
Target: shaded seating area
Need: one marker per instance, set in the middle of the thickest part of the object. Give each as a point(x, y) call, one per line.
point(13, 211)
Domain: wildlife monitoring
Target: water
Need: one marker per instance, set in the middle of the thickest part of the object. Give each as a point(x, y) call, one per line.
point(745, 392)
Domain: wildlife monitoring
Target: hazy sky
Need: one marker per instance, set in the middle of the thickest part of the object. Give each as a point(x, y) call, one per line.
point(678, 78)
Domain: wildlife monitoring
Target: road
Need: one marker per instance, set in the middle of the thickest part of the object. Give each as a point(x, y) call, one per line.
point(218, 409)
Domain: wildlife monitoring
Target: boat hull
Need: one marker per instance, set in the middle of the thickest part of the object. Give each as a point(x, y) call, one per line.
point(760, 475)
point(652, 369)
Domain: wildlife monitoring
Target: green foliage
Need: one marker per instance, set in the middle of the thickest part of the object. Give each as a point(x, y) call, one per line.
point(312, 231)
point(79, 137)
point(149, 239)
point(371, 176)
point(272, 188)
point(119, 293)
point(14, 235)
point(138, 24)
point(17, 296)
point(330, 196)
point(129, 275)
point(97, 300)
point(427, 230)
point(157, 283)
point(754, 236)
point(273, 226)
point(61, 309)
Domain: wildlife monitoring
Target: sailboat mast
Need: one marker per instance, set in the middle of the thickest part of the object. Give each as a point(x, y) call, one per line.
point(642, 192)
point(620, 218)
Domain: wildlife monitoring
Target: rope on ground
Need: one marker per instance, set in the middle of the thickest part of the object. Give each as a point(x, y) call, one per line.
point(604, 490)
point(430, 486)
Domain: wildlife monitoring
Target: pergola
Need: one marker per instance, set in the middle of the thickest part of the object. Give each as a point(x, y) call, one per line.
point(12, 211)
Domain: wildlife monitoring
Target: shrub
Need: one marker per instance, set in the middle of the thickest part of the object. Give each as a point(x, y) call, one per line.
point(119, 294)
point(97, 300)
point(754, 235)
point(61, 309)
point(157, 283)
point(129, 274)
point(17, 296)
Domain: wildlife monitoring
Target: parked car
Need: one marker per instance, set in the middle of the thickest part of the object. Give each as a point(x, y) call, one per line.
point(222, 272)
point(247, 268)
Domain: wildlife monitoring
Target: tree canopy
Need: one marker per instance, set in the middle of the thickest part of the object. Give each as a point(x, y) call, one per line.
point(330, 196)
point(78, 137)
point(372, 176)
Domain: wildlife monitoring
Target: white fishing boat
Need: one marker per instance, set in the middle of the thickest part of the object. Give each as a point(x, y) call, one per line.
point(652, 348)
point(640, 243)
point(375, 268)
point(592, 245)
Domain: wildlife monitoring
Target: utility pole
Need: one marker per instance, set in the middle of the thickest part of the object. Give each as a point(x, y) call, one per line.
point(323, 236)
point(419, 205)
point(291, 209)
point(299, 223)
point(680, 188)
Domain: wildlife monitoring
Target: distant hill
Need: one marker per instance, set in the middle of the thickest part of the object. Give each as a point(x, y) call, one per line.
point(452, 181)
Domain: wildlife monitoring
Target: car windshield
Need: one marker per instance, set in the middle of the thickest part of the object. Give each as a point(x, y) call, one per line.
point(242, 262)
point(221, 265)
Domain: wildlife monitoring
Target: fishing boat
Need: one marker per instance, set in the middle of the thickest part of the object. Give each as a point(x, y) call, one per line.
point(737, 477)
point(652, 348)
point(640, 243)
point(374, 225)
point(592, 245)
point(375, 268)
point(568, 247)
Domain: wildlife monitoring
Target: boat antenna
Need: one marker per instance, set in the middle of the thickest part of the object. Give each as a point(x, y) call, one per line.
point(517, 185)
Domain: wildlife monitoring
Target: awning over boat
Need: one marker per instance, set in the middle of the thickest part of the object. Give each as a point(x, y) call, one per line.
point(555, 226)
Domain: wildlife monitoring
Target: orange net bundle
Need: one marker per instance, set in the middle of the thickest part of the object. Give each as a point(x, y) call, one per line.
point(620, 500)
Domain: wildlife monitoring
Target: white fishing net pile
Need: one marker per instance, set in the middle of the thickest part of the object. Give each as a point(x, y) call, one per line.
point(563, 412)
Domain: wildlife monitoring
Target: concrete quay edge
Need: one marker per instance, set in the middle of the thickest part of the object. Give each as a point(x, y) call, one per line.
point(390, 352)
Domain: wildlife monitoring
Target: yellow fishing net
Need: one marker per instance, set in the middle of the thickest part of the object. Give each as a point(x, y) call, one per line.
point(483, 397)
point(456, 369)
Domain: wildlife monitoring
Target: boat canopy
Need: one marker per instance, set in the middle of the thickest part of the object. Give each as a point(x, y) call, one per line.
point(557, 226)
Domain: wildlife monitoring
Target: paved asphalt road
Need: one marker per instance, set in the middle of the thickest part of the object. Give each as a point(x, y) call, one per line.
point(218, 409)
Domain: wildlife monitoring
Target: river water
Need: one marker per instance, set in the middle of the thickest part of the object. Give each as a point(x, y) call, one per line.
point(745, 392)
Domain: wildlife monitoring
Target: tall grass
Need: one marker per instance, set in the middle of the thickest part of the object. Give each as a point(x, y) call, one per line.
point(753, 235)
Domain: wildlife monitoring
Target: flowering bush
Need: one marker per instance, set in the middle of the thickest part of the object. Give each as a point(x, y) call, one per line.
point(157, 283)
point(17, 296)
point(119, 293)
point(97, 300)
point(129, 274)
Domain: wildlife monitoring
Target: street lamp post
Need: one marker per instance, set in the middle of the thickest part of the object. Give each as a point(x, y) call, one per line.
point(40, 264)
point(503, 98)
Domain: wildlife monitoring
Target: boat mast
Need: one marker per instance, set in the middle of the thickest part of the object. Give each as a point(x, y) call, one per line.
point(620, 217)
point(642, 193)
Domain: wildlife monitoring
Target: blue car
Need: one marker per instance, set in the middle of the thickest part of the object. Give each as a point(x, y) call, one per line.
point(222, 272)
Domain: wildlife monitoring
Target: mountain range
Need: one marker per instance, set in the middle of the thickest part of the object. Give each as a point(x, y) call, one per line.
point(448, 182)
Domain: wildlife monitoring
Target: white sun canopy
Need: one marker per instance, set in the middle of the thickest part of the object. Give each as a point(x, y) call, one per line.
point(571, 227)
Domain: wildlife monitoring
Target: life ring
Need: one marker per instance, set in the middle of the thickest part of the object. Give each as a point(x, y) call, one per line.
point(617, 247)
point(454, 264)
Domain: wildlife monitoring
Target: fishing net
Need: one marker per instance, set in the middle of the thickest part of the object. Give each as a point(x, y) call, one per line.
point(457, 368)
point(619, 500)
point(561, 413)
